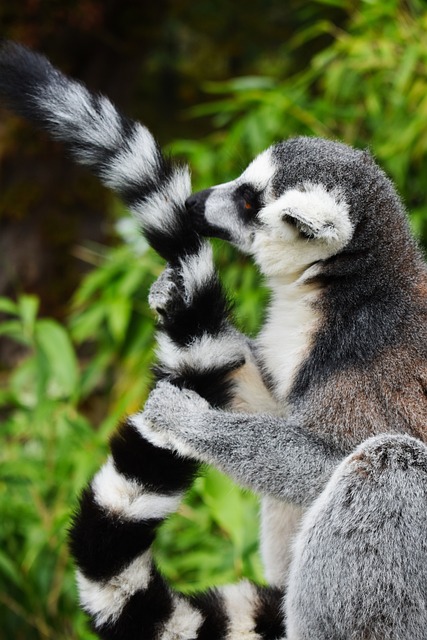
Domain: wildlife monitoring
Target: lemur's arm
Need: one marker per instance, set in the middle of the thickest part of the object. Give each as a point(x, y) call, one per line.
point(268, 454)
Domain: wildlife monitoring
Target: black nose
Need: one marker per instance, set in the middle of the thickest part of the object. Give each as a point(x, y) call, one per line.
point(195, 204)
point(190, 203)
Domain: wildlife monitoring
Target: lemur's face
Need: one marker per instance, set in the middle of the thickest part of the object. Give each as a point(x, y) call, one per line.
point(288, 208)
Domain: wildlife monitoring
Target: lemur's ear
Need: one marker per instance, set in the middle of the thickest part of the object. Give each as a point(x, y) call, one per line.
point(309, 228)
point(367, 156)
point(315, 212)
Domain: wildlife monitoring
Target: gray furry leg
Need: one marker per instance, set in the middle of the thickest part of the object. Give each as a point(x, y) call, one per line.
point(359, 570)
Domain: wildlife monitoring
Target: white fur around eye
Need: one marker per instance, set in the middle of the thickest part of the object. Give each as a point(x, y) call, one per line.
point(260, 171)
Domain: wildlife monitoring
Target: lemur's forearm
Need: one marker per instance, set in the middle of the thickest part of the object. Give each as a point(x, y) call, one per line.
point(271, 455)
point(266, 454)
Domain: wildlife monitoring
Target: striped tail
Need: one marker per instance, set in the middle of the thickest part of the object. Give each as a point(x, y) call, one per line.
point(141, 485)
point(121, 152)
point(197, 344)
point(111, 538)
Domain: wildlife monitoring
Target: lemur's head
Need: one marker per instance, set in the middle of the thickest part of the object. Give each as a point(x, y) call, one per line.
point(296, 204)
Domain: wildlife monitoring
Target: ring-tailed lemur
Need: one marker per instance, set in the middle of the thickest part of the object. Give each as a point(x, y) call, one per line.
point(344, 335)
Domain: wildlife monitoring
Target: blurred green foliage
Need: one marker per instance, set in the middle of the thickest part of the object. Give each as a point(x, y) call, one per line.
point(48, 450)
point(367, 85)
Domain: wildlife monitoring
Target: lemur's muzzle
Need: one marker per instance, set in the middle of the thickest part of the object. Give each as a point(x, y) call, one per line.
point(196, 207)
point(196, 202)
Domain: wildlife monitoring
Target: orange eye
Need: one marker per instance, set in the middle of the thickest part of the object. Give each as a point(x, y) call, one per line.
point(248, 205)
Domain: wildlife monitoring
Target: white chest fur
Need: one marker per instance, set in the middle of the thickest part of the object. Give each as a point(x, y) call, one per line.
point(287, 335)
point(284, 343)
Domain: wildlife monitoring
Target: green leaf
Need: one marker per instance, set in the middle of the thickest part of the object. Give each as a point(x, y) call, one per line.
point(8, 306)
point(13, 329)
point(119, 311)
point(54, 343)
point(27, 382)
point(28, 307)
point(224, 500)
point(10, 570)
point(86, 324)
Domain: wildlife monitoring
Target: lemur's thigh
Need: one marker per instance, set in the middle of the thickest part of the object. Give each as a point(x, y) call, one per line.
point(359, 570)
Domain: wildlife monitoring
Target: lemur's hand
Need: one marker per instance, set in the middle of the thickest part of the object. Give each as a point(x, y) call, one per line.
point(172, 418)
point(178, 286)
point(167, 293)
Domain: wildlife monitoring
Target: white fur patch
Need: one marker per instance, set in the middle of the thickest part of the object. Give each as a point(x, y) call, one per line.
point(203, 353)
point(127, 498)
point(279, 524)
point(286, 337)
point(158, 212)
point(325, 212)
point(260, 171)
point(278, 246)
point(240, 602)
point(135, 162)
point(220, 211)
point(105, 600)
point(70, 110)
point(197, 270)
point(184, 622)
point(250, 392)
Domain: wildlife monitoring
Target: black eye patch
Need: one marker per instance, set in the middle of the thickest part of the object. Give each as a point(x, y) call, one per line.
point(248, 202)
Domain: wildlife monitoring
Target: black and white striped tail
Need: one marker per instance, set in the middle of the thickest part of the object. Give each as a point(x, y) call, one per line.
point(121, 152)
point(126, 157)
point(141, 485)
point(197, 346)
point(119, 585)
